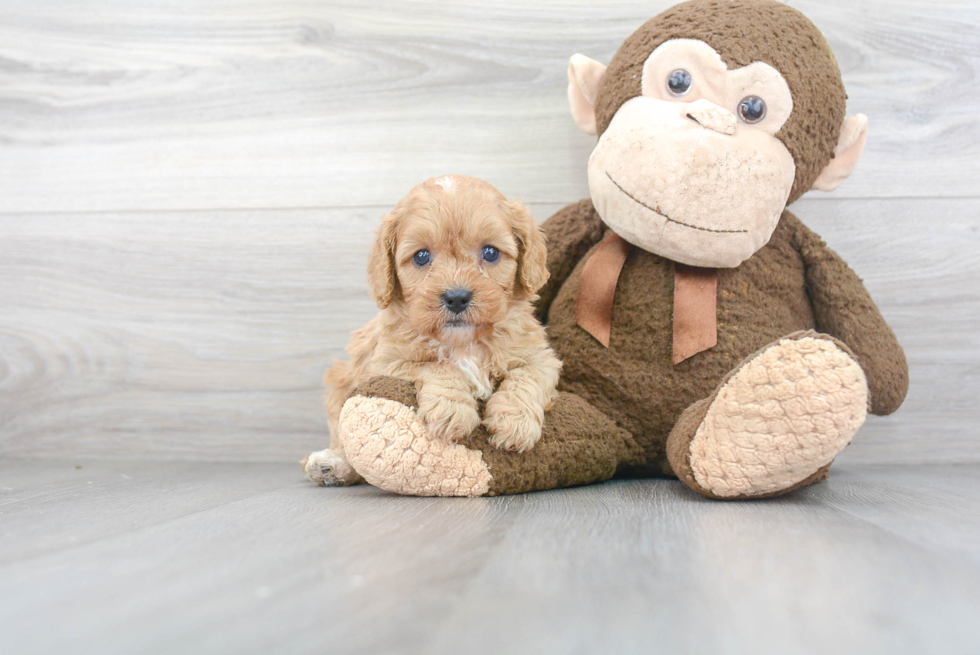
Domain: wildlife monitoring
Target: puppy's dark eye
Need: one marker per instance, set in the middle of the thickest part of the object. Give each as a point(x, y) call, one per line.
point(752, 109)
point(679, 82)
point(421, 258)
point(490, 254)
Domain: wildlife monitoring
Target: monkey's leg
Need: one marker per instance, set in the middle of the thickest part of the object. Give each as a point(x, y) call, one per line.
point(389, 446)
point(775, 423)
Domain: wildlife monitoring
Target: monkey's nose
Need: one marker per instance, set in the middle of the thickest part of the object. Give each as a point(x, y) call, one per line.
point(712, 117)
point(457, 300)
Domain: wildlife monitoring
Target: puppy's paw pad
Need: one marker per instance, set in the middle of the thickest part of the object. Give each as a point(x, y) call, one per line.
point(328, 469)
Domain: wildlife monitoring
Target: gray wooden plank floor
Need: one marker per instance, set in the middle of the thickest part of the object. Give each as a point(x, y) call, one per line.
point(134, 557)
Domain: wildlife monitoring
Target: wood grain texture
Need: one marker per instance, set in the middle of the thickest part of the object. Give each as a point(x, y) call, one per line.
point(204, 335)
point(186, 558)
point(171, 104)
point(187, 194)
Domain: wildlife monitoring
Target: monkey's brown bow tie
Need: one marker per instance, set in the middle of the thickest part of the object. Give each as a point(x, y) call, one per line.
point(695, 299)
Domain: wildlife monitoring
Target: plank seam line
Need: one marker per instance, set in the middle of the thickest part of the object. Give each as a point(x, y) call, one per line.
point(385, 207)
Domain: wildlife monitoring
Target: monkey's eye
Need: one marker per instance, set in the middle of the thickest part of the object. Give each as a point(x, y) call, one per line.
point(752, 109)
point(421, 258)
point(490, 254)
point(679, 82)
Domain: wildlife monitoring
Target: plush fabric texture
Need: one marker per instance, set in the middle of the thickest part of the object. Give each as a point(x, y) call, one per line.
point(802, 351)
point(677, 199)
point(786, 413)
point(634, 381)
point(695, 311)
point(679, 451)
point(745, 31)
point(584, 75)
point(725, 86)
point(388, 446)
point(706, 113)
point(400, 391)
point(593, 306)
point(571, 233)
point(847, 154)
point(579, 445)
point(844, 309)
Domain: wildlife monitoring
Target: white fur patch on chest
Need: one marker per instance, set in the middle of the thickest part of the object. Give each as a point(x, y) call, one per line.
point(479, 378)
point(472, 361)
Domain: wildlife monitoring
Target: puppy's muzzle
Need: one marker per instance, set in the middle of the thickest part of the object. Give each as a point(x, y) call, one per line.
point(457, 300)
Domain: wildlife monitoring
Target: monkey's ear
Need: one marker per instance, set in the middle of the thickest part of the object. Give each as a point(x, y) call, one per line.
point(584, 76)
point(532, 257)
point(382, 279)
point(850, 145)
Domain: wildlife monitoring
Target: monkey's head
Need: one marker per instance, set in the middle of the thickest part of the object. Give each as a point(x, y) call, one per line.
point(711, 118)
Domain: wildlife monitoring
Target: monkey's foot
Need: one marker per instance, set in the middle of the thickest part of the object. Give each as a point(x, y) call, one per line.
point(387, 444)
point(774, 424)
point(329, 469)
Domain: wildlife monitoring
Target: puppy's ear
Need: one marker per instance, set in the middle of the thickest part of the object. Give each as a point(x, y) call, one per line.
point(382, 278)
point(532, 257)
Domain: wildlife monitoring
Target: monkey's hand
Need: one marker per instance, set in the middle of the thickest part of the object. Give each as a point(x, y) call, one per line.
point(843, 308)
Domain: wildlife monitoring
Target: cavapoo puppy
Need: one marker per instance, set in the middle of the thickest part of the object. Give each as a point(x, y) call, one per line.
point(454, 268)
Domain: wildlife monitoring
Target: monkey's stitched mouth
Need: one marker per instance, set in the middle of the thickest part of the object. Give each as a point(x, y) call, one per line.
point(665, 216)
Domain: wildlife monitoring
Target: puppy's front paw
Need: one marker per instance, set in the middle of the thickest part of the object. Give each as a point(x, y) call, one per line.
point(513, 423)
point(445, 418)
point(328, 469)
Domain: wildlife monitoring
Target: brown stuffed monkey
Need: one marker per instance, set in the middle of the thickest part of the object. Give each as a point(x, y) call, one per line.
point(706, 333)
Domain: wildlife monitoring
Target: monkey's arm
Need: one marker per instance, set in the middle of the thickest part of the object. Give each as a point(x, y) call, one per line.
point(570, 233)
point(843, 308)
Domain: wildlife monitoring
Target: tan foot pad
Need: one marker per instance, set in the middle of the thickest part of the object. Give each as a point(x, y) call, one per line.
point(781, 417)
point(328, 469)
point(388, 445)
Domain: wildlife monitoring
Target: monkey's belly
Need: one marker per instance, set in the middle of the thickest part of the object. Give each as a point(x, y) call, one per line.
point(633, 381)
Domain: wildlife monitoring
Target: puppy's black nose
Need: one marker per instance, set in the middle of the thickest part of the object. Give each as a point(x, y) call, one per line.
point(457, 300)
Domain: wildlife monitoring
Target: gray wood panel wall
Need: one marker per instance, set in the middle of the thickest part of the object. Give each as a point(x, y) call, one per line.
point(187, 193)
